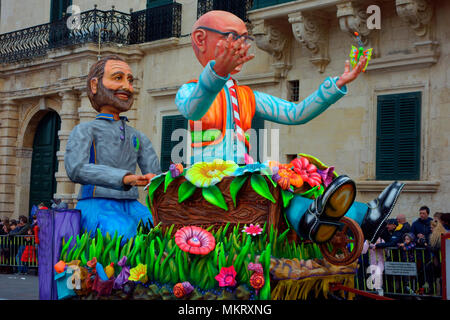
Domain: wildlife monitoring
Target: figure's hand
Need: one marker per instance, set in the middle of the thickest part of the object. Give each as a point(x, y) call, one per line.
point(136, 180)
point(350, 75)
point(230, 54)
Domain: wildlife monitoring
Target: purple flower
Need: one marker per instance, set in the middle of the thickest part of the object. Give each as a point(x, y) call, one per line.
point(327, 175)
point(122, 278)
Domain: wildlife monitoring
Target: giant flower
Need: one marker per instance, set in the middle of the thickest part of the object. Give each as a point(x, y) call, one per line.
point(195, 240)
point(139, 273)
point(205, 174)
point(226, 277)
point(285, 177)
point(307, 171)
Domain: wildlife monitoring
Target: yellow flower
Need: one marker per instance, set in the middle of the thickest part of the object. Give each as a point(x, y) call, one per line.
point(205, 174)
point(139, 273)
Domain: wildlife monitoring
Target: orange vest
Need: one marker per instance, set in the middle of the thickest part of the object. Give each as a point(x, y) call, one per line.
point(216, 116)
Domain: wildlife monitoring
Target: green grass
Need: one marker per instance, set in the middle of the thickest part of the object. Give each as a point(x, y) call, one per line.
point(168, 264)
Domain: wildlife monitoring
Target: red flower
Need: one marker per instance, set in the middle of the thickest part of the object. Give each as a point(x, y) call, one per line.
point(195, 240)
point(257, 280)
point(307, 171)
point(226, 277)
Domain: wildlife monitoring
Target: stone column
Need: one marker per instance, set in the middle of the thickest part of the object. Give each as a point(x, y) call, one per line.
point(85, 111)
point(9, 123)
point(65, 188)
point(23, 176)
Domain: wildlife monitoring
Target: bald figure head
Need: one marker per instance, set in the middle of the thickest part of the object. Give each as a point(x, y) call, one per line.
point(204, 41)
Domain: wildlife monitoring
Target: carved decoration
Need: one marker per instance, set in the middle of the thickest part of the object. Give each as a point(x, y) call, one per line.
point(273, 39)
point(417, 13)
point(353, 18)
point(311, 30)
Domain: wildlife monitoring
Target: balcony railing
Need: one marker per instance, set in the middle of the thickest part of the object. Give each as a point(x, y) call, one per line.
point(237, 7)
point(107, 26)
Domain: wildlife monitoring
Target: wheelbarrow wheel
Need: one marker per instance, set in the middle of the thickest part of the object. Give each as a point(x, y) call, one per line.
point(346, 245)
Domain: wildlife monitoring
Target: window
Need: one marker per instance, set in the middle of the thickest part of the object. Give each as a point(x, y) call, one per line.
point(398, 136)
point(170, 124)
point(258, 123)
point(294, 90)
point(58, 9)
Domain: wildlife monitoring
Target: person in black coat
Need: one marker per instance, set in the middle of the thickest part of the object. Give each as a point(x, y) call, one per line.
point(421, 228)
point(396, 235)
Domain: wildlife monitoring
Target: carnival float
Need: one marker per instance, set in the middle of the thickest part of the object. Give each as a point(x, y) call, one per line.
point(220, 234)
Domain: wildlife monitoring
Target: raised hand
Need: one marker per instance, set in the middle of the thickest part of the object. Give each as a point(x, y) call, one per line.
point(350, 75)
point(230, 54)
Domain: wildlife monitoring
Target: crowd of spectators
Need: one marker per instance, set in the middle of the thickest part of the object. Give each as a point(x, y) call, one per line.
point(419, 242)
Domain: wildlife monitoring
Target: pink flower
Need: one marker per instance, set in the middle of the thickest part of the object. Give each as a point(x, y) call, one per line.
point(252, 229)
point(307, 171)
point(195, 240)
point(226, 277)
point(257, 267)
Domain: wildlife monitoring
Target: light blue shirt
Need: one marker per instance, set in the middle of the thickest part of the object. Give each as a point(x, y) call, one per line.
point(194, 99)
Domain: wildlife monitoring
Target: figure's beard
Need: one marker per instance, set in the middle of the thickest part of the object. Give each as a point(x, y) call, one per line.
point(106, 97)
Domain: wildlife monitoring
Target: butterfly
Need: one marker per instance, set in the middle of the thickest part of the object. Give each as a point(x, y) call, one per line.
point(357, 53)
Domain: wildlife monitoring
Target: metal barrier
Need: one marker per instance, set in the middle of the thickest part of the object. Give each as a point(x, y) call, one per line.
point(415, 272)
point(19, 252)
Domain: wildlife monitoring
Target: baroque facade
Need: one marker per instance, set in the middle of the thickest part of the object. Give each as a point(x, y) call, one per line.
point(297, 45)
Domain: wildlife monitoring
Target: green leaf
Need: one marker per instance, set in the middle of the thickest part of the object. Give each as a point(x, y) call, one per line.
point(259, 184)
point(310, 193)
point(287, 197)
point(235, 186)
point(168, 179)
point(185, 190)
point(153, 186)
point(214, 196)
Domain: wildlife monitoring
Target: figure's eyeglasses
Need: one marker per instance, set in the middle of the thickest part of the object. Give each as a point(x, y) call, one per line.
point(234, 35)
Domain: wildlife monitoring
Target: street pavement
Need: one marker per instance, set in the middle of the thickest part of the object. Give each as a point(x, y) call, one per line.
point(19, 287)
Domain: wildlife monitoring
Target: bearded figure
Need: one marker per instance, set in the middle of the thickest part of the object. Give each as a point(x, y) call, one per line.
point(102, 155)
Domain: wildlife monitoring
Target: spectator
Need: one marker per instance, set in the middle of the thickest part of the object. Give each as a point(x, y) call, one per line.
point(12, 225)
point(407, 247)
point(437, 229)
point(29, 253)
point(445, 219)
point(421, 227)
point(22, 227)
point(58, 204)
point(401, 219)
point(42, 206)
point(395, 235)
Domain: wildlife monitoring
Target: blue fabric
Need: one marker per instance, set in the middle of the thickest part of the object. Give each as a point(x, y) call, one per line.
point(111, 215)
point(298, 206)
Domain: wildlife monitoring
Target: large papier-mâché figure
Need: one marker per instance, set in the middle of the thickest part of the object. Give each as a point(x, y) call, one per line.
point(216, 103)
point(102, 155)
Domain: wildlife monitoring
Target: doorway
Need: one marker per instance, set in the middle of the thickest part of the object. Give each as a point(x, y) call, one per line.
point(44, 163)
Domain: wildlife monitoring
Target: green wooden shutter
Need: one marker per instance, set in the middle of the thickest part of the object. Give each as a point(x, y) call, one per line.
point(170, 123)
point(398, 136)
point(157, 3)
point(44, 163)
point(57, 8)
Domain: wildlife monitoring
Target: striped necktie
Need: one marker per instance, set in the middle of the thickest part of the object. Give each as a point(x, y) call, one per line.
point(237, 120)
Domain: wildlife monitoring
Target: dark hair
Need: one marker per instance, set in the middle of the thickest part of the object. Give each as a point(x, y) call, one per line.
point(24, 219)
point(97, 70)
point(13, 222)
point(425, 208)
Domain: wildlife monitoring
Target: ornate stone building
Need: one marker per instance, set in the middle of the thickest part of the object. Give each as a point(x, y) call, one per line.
point(391, 125)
